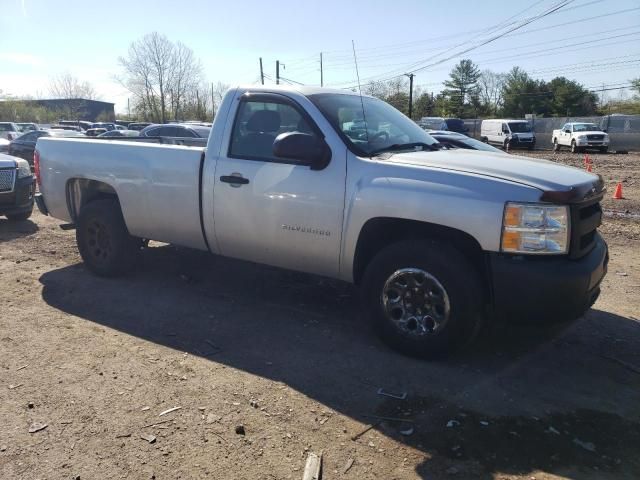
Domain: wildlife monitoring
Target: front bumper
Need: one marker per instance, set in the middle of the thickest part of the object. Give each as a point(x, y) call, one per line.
point(515, 142)
point(20, 200)
point(592, 143)
point(541, 289)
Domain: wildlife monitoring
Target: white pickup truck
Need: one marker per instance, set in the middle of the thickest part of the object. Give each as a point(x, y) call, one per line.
point(580, 136)
point(438, 240)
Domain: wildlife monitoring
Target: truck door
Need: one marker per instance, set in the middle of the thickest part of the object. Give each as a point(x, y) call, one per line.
point(273, 210)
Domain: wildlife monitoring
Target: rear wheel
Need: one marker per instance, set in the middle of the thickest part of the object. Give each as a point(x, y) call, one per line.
point(423, 298)
point(103, 239)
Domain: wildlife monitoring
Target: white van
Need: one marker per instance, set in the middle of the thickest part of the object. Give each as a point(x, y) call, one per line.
point(508, 133)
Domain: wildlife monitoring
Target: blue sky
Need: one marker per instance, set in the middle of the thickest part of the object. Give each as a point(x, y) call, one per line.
point(587, 40)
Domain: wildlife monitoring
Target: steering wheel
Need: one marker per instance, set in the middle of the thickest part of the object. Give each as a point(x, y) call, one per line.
point(379, 135)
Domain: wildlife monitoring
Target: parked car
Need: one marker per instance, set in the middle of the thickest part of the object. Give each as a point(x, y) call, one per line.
point(27, 127)
point(508, 133)
point(120, 133)
point(17, 188)
point(138, 125)
point(25, 144)
point(94, 132)
point(433, 123)
point(9, 130)
point(458, 140)
point(456, 125)
point(438, 240)
point(81, 124)
point(177, 130)
point(70, 128)
point(106, 125)
point(579, 136)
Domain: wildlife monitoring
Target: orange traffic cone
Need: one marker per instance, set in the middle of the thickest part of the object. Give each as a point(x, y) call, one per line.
point(587, 160)
point(617, 195)
point(588, 167)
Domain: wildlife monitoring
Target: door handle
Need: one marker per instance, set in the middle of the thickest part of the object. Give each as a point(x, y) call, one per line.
point(235, 180)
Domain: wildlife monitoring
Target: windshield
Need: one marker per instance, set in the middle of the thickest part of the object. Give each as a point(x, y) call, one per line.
point(519, 127)
point(478, 145)
point(585, 127)
point(381, 128)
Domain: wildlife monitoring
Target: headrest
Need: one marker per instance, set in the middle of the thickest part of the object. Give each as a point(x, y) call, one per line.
point(264, 121)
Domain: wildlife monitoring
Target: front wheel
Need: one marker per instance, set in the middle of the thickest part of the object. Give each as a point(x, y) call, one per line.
point(103, 239)
point(556, 145)
point(574, 147)
point(423, 298)
point(20, 217)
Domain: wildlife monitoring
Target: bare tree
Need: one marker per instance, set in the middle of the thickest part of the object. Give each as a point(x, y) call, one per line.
point(68, 86)
point(491, 86)
point(162, 76)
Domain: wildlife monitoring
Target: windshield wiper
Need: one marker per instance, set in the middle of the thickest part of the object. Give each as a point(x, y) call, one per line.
point(406, 146)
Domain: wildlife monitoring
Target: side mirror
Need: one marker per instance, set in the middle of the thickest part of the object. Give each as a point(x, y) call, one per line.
point(306, 148)
point(567, 131)
point(604, 130)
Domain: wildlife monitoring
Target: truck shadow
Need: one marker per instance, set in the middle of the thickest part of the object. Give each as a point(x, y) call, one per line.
point(563, 400)
point(10, 230)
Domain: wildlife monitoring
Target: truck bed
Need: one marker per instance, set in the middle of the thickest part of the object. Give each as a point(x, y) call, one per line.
point(158, 185)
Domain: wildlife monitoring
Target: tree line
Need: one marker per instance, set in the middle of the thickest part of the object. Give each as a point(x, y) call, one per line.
point(472, 93)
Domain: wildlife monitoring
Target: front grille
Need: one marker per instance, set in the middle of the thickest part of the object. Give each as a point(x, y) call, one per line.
point(586, 217)
point(7, 179)
point(595, 137)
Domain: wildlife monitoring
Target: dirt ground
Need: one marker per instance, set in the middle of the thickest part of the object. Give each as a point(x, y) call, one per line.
point(288, 357)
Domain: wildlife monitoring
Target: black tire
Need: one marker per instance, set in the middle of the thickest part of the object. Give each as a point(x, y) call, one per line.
point(556, 145)
point(484, 140)
point(574, 147)
point(505, 145)
point(20, 217)
point(604, 149)
point(103, 239)
point(453, 273)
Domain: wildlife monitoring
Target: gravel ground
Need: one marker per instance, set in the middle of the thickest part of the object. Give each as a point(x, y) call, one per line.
point(287, 357)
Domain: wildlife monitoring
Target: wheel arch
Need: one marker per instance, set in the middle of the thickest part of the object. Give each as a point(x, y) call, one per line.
point(80, 191)
point(379, 232)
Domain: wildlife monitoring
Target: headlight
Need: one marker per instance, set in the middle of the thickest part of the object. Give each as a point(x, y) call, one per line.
point(535, 229)
point(24, 170)
point(581, 137)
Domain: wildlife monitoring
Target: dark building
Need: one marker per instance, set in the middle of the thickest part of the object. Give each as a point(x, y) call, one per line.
point(78, 108)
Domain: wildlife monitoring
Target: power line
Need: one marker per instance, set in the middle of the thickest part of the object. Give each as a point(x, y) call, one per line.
point(416, 67)
point(591, 34)
point(430, 40)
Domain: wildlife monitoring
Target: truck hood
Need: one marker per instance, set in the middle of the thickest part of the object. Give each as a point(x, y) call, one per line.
point(7, 161)
point(542, 174)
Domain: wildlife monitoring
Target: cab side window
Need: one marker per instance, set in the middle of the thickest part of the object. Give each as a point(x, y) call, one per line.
point(257, 125)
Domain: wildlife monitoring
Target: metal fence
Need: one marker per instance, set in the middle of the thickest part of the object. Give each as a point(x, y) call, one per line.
point(623, 130)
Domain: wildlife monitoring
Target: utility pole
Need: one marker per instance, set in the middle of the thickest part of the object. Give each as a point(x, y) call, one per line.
point(321, 73)
point(261, 72)
point(410, 75)
point(277, 72)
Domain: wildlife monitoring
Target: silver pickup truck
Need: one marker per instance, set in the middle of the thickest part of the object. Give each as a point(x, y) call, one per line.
point(344, 186)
